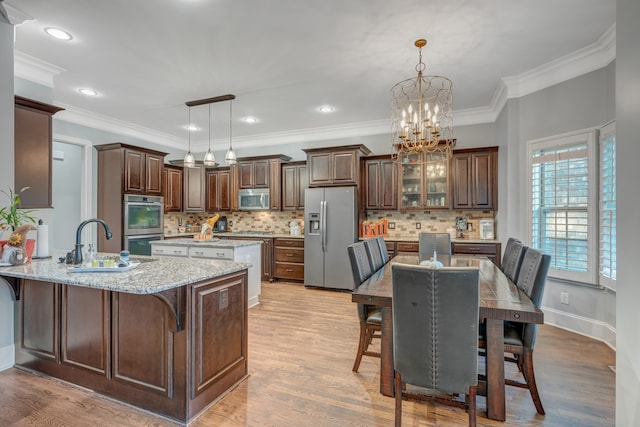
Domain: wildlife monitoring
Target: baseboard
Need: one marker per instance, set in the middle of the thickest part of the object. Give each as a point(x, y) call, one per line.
point(254, 301)
point(591, 328)
point(7, 357)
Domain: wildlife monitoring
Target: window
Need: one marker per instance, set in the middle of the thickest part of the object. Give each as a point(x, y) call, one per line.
point(562, 203)
point(608, 205)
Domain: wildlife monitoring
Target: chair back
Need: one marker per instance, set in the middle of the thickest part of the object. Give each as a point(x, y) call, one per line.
point(375, 255)
point(383, 249)
point(360, 264)
point(429, 242)
point(435, 326)
point(512, 258)
point(531, 279)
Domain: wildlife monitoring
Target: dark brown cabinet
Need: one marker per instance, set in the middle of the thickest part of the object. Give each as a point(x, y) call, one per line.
point(490, 250)
point(194, 189)
point(380, 183)
point(424, 182)
point(253, 173)
point(172, 188)
point(218, 190)
point(288, 259)
point(335, 165)
point(33, 151)
point(295, 178)
point(474, 174)
point(143, 171)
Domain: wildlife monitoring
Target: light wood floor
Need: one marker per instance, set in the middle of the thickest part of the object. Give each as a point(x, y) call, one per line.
point(301, 348)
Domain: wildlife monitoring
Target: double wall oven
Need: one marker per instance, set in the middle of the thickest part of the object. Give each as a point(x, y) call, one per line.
point(143, 222)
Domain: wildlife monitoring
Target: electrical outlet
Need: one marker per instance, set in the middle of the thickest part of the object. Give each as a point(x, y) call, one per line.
point(392, 226)
point(418, 226)
point(564, 297)
point(230, 223)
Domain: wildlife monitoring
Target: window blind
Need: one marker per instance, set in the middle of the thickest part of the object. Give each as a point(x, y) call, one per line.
point(608, 206)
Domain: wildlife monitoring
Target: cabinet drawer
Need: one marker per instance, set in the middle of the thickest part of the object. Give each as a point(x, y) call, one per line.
point(289, 271)
point(213, 253)
point(294, 243)
point(474, 248)
point(166, 250)
point(407, 246)
point(289, 255)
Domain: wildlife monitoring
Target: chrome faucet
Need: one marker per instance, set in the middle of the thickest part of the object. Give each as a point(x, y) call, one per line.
point(77, 258)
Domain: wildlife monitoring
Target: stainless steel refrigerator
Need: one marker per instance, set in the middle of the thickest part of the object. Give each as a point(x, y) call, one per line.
point(331, 224)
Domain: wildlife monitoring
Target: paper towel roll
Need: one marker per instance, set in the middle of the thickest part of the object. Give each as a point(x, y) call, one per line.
point(42, 241)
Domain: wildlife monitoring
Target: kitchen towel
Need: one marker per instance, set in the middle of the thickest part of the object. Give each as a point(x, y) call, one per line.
point(42, 241)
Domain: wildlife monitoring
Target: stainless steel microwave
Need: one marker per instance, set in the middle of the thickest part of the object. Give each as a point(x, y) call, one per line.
point(255, 199)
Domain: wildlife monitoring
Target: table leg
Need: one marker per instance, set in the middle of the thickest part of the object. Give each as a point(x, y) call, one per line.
point(386, 353)
point(495, 369)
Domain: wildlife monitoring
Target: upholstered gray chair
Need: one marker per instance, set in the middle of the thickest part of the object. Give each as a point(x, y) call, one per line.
point(520, 338)
point(429, 242)
point(374, 252)
point(435, 334)
point(370, 316)
point(383, 249)
point(512, 258)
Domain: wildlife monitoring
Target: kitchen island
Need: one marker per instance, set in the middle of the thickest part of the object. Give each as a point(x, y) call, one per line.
point(233, 250)
point(169, 336)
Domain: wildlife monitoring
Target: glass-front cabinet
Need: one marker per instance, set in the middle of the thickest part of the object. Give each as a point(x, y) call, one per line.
point(424, 182)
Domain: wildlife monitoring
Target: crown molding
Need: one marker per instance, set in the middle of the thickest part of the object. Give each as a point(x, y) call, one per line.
point(35, 70)
point(87, 118)
point(16, 16)
point(590, 58)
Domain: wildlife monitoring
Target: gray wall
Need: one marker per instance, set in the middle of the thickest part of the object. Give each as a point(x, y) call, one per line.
point(628, 198)
point(6, 180)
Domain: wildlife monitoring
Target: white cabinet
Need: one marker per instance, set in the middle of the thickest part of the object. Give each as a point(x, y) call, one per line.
point(170, 250)
point(211, 253)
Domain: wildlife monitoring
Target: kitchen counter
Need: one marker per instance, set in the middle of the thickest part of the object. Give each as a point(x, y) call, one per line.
point(231, 234)
point(154, 274)
point(169, 336)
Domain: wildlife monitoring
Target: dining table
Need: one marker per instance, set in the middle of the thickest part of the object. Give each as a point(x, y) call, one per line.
point(500, 300)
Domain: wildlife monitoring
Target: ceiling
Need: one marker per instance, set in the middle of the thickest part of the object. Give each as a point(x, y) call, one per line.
point(285, 58)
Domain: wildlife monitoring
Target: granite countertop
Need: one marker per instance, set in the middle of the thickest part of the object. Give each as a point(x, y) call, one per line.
point(230, 234)
point(415, 239)
point(154, 274)
point(213, 243)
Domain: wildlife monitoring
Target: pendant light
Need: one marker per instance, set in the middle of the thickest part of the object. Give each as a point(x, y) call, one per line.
point(209, 157)
point(230, 158)
point(189, 160)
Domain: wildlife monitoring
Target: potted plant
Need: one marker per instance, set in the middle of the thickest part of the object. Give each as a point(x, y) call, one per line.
point(12, 217)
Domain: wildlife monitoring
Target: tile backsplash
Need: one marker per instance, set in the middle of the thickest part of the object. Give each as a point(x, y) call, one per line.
point(278, 222)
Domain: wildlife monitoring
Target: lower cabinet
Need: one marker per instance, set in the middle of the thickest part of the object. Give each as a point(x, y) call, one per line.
point(289, 259)
point(267, 255)
point(489, 250)
point(407, 247)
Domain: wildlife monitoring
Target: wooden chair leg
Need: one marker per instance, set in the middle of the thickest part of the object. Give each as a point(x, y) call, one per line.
point(397, 382)
point(361, 346)
point(527, 362)
point(471, 403)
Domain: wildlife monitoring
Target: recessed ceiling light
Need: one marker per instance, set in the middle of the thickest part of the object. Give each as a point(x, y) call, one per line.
point(57, 33)
point(250, 119)
point(326, 109)
point(192, 127)
point(88, 92)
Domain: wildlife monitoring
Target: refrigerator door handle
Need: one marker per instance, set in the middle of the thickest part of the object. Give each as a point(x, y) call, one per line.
point(323, 225)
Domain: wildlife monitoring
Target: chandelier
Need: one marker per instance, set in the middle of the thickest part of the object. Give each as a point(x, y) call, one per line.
point(209, 158)
point(421, 116)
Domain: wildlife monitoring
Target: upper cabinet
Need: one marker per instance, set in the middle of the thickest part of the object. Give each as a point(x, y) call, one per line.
point(135, 170)
point(172, 188)
point(33, 151)
point(295, 178)
point(380, 183)
point(218, 189)
point(253, 173)
point(475, 178)
point(193, 197)
point(331, 166)
point(424, 182)
point(259, 172)
point(143, 171)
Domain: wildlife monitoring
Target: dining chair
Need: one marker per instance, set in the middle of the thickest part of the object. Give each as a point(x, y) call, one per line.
point(435, 335)
point(520, 338)
point(374, 252)
point(430, 242)
point(370, 317)
point(383, 249)
point(512, 258)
